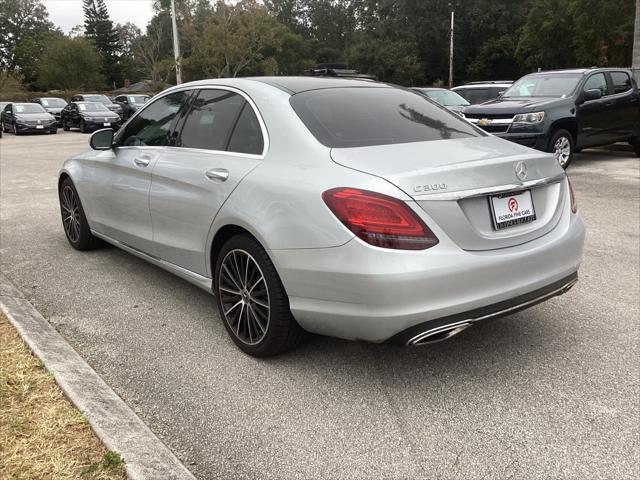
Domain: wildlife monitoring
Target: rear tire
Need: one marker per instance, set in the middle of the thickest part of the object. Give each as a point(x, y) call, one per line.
point(252, 302)
point(4, 128)
point(635, 143)
point(74, 221)
point(83, 127)
point(65, 126)
point(562, 146)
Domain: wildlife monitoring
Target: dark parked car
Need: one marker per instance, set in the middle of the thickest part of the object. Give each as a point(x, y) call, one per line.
point(89, 116)
point(130, 103)
point(2, 105)
point(53, 105)
point(27, 117)
point(114, 107)
point(447, 98)
point(480, 92)
point(565, 111)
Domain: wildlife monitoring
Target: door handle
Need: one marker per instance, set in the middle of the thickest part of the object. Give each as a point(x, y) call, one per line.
point(142, 160)
point(217, 174)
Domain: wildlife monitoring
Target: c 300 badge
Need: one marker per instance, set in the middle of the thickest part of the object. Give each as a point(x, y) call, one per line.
point(432, 187)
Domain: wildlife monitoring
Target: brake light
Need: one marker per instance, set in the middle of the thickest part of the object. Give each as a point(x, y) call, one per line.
point(572, 194)
point(379, 220)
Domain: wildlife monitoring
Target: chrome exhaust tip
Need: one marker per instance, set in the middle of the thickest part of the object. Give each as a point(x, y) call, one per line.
point(438, 334)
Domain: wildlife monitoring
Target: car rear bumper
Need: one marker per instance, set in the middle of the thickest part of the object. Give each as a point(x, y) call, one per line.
point(360, 292)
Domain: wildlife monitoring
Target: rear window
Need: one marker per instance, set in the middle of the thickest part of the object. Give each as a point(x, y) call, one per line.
point(361, 117)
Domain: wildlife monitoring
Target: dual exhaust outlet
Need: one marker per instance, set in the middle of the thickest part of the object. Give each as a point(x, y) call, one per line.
point(438, 334)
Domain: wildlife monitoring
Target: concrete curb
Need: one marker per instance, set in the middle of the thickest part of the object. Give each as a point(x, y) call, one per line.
point(115, 424)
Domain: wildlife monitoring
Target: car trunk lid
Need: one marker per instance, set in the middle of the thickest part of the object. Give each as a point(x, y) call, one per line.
point(453, 180)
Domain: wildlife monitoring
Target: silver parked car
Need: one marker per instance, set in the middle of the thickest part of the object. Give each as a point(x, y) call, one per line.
point(340, 207)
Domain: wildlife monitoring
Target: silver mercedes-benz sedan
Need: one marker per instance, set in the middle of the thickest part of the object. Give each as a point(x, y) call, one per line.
point(341, 207)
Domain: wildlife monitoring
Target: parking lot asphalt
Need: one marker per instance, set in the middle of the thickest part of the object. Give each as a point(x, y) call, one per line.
point(551, 392)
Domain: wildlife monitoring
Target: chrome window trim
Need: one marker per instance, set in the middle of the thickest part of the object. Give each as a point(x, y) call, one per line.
point(480, 192)
point(249, 100)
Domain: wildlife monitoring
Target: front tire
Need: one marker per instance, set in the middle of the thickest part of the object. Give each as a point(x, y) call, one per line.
point(83, 127)
point(65, 126)
point(252, 302)
point(74, 221)
point(562, 146)
point(635, 143)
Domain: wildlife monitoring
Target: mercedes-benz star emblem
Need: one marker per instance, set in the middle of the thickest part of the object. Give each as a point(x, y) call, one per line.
point(521, 171)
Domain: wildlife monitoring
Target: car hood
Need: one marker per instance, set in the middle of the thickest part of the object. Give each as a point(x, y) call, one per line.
point(34, 116)
point(99, 115)
point(513, 105)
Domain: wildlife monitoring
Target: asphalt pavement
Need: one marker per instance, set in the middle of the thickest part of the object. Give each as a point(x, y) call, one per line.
point(551, 392)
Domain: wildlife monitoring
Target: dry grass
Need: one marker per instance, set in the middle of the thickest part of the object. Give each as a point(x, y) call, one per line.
point(42, 436)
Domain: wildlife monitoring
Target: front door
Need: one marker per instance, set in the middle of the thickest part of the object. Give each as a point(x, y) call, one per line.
point(220, 140)
point(116, 190)
point(593, 118)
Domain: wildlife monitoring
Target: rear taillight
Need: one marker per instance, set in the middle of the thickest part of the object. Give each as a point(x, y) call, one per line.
point(379, 220)
point(572, 194)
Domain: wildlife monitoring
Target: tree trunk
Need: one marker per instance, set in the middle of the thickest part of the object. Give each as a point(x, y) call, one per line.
point(636, 44)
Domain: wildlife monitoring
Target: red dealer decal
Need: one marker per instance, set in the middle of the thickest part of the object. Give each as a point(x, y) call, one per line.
point(513, 205)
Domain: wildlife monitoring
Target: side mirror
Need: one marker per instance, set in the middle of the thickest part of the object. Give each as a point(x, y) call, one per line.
point(102, 140)
point(592, 94)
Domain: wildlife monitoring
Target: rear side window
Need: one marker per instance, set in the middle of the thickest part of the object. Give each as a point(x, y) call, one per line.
point(152, 127)
point(360, 117)
point(210, 120)
point(247, 136)
point(621, 82)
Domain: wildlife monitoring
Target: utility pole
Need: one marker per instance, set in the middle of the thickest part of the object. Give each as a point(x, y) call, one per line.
point(451, 49)
point(176, 43)
point(636, 45)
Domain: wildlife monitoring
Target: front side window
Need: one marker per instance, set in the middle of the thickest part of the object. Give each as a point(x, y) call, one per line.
point(359, 117)
point(621, 82)
point(152, 127)
point(596, 81)
point(210, 120)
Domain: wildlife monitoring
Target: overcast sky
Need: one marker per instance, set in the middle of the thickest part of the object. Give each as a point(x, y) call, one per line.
point(66, 14)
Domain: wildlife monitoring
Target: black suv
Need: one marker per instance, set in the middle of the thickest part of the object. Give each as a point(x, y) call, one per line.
point(565, 111)
point(53, 105)
point(103, 99)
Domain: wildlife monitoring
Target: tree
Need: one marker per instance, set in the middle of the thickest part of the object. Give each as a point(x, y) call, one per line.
point(70, 64)
point(24, 25)
point(100, 30)
point(127, 36)
point(148, 51)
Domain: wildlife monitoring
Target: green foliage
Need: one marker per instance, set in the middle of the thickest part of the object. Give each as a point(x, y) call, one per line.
point(70, 64)
point(100, 30)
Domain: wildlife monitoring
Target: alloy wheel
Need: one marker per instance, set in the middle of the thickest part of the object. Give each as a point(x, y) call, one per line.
point(562, 150)
point(244, 296)
point(70, 214)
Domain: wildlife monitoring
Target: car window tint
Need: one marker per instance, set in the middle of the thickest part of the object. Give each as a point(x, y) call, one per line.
point(596, 81)
point(210, 120)
point(477, 95)
point(621, 82)
point(153, 125)
point(358, 117)
point(247, 136)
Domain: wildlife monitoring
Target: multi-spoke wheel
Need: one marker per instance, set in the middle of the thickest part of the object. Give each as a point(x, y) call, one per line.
point(562, 146)
point(251, 299)
point(75, 224)
point(244, 296)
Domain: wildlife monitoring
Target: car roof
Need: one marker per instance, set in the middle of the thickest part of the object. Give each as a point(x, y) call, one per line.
point(482, 85)
point(581, 70)
point(295, 85)
point(430, 89)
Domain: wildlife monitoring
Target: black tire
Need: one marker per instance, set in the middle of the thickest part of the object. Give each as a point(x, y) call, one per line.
point(83, 127)
point(282, 332)
point(4, 128)
point(559, 147)
point(635, 143)
point(53, 131)
point(80, 237)
point(15, 130)
point(65, 126)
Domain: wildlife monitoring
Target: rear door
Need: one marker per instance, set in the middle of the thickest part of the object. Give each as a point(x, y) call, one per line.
point(594, 122)
point(220, 139)
point(116, 186)
point(624, 106)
